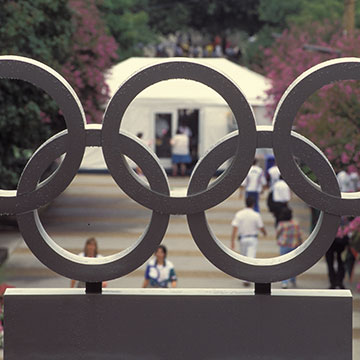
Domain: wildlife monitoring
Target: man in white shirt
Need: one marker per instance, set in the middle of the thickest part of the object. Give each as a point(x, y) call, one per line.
point(281, 197)
point(245, 226)
point(274, 176)
point(281, 191)
point(253, 184)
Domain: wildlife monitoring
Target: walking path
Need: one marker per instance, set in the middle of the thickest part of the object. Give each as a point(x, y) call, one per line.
point(94, 206)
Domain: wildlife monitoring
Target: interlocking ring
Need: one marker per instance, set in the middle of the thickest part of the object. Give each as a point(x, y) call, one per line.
point(78, 267)
point(42, 76)
point(272, 269)
point(305, 85)
point(240, 146)
point(219, 190)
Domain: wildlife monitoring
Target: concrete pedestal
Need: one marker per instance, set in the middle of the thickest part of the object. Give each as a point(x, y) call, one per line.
point(178, 324)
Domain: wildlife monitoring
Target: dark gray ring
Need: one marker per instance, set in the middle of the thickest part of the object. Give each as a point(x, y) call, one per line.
point(78, 267)
point(272, 269)
point(297, 93)
point(219, 190)
point(42, 76)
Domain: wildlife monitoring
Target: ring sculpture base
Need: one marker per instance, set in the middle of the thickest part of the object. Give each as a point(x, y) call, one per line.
point(177, 324)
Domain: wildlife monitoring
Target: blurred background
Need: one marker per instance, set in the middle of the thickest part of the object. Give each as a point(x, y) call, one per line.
point(262, 45)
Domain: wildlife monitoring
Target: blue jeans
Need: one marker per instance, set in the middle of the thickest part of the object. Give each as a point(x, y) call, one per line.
point(284, 250)
point(255, 196)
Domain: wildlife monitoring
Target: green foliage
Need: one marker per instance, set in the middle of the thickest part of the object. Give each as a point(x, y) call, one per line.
point(93, 52)
point(168, 17)
point(316, 11)
point(275, 13)
point(281, 14)
point(127, 22)
point(211, 17)
point(218, 17)
point(40, 29)
point(278, 15)
point(330, 116)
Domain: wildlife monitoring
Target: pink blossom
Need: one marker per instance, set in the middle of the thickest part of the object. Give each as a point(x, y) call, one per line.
point(93, 53)
point(329, 117)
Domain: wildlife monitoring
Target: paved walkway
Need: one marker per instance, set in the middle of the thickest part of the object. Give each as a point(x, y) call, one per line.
point(94, 206)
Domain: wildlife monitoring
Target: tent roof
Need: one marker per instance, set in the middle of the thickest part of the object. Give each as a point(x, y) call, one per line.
point(252, 84)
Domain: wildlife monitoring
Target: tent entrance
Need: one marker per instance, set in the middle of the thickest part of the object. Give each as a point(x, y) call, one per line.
point(166, 125)
point(163, 133)
point(188, 123)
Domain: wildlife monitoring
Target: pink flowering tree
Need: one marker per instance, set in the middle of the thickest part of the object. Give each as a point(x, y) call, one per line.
point(93, 52)
point(331, 116)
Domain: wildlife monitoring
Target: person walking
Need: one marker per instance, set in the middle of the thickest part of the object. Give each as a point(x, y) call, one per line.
point(253, 184)
point(273, 177)
point(281, 198)
point(246, 225)
point(289, 237)
point(160, 271)
point(336, 277)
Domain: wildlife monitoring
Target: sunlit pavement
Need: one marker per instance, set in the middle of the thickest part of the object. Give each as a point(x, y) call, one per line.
point(94, 206)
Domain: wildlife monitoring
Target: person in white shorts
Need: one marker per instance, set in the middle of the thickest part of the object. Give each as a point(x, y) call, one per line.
point(245, 226)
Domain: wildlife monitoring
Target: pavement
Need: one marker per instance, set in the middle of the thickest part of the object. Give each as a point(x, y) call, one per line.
point(93, 205)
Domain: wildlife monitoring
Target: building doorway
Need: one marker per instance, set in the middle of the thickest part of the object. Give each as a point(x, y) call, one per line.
point(188, 123)
point(163, 134)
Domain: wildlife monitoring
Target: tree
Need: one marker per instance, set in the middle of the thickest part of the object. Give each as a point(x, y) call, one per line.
point(168, 17)
point(92, 53)
point(209, 17)
point(68, 36)
point(220, 17)
point(40, 29)
point(128, 23)
point(330, 117)
point(278, 15)
point(282, 14)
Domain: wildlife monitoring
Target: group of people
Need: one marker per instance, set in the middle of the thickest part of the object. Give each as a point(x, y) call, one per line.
point(247, 223)
point(255, 183)
point(159, 273)
point(348, 182)
point(180, 150)
point(184, 46)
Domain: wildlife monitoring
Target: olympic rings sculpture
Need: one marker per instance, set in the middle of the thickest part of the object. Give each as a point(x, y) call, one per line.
point(239, 146)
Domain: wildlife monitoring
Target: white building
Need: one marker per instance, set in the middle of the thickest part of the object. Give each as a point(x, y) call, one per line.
point(159, 110)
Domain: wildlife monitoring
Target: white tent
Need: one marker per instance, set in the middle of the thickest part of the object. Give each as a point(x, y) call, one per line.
point(161, 107)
